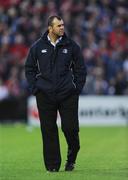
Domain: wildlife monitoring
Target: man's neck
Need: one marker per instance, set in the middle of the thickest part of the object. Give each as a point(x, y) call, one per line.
point(53, 38)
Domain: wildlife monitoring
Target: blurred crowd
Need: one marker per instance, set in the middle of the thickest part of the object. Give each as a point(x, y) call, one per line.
point(100, 27)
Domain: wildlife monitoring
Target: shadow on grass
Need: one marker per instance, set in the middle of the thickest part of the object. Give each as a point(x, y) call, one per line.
point(122, 172)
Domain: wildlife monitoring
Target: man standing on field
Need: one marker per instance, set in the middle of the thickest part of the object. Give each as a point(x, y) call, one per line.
point(56, 74)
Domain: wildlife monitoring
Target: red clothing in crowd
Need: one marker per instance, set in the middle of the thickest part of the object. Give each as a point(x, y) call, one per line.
point(19, 51)
point(118, 39)
point(7, 3)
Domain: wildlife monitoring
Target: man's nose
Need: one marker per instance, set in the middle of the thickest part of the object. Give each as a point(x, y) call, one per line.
point(62, 26)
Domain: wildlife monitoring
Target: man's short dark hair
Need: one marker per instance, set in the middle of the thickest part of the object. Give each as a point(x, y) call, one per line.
point(51, 18)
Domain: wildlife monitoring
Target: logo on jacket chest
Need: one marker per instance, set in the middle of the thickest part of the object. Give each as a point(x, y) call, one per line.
point(44, 50)
point(65, 51)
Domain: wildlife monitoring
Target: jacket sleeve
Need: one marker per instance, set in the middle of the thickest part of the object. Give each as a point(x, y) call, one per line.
point(79, 68)
point(31, 70)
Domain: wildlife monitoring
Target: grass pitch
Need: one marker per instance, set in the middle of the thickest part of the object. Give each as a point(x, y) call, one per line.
point(103, 154)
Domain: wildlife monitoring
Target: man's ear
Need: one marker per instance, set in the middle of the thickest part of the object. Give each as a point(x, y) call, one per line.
point(49, 28)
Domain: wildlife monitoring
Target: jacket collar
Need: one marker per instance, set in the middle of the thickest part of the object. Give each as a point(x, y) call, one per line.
point(57, 41)
point(64, 40)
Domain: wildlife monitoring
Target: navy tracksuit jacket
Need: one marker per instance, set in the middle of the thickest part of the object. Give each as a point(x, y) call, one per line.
point(58, 71)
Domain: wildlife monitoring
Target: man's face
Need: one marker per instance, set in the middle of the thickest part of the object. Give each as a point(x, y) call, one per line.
point(57, 27)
